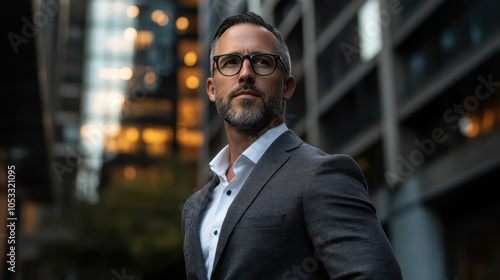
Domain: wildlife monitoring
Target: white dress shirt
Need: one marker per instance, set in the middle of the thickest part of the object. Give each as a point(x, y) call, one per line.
point(224, 193)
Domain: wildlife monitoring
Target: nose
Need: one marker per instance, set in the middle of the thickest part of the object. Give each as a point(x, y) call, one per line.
point(246, 74)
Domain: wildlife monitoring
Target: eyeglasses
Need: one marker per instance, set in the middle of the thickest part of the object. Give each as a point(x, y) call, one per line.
point(263, 64)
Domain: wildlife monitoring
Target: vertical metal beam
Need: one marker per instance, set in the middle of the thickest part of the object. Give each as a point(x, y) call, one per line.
point(389, 99)
point(310, 75)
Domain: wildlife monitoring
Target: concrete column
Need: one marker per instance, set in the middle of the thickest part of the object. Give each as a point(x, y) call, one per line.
point(416, 235)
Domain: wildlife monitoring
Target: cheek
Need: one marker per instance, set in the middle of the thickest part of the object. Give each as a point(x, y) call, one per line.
point(273, 87)
point(222, 88)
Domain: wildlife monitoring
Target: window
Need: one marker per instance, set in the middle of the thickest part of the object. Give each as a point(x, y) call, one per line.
point(339, 58)
point(283, 9)
point(466, 111)
point(325, 11)
point(357, 110)
point(295, 45)
point(455, 30)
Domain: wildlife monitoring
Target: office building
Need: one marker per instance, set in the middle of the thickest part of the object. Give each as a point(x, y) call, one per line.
point(102, 124)
point(409, 89)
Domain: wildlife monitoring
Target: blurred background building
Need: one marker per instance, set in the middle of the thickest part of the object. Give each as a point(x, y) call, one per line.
point(107, 123)
point(101, 120)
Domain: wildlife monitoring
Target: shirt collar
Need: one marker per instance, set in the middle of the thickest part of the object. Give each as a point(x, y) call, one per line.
point(257, 149)
point(220, 162)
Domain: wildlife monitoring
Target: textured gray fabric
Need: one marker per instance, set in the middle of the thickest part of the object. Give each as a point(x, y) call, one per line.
point(301, 214)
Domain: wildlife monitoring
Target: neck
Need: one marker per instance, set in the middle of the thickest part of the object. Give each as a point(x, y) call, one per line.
point(240, 139)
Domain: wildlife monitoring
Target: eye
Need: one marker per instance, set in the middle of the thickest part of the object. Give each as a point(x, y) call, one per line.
point(229, 61)
point(232, 61)
point(263, 60)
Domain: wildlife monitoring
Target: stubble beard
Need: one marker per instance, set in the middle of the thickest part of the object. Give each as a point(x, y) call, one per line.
point(248, 118)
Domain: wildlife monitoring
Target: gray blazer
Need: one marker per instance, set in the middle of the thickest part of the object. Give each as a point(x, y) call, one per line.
point(301, 214)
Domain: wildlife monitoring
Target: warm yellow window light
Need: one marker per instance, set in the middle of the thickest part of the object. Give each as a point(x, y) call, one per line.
point(132, 11)
point(190, 58)
point(112, 130)
point(160, 17)
point(192, 82)
point(156, 14)
point(149, 78)
point(126, 73)
point(190, 138)
point(182, 23)
point(132, 134)
point(156, 139)
point(130, 33)
point(188, 114)
point(85, 130)
point(471, 128)
point(144, 39)
point(488, 120)
point(163, 21)
point(106, 73)
point(156, 135)
point(130, 172)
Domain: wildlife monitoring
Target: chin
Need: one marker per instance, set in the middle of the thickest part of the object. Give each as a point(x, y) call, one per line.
point(246, 103)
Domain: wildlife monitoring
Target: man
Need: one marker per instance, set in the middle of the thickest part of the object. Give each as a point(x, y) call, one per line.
point(276, 208)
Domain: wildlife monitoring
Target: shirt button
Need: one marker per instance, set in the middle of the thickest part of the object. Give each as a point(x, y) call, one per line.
point(215, 232)
point(229, 192)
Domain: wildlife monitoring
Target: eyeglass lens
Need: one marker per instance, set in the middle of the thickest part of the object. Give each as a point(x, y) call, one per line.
point(262, 64)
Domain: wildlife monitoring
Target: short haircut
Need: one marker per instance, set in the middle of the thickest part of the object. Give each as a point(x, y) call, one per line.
point(251, 18)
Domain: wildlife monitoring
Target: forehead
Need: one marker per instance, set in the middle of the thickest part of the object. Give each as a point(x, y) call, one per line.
point(245, 38)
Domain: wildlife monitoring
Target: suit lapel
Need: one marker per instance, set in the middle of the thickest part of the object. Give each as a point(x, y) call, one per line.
point(192, 242)
point(275, 156)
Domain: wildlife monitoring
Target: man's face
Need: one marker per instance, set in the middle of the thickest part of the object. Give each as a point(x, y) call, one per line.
point(247, 100)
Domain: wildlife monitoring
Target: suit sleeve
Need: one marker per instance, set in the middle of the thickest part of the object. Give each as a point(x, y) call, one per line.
point(183, 217)
point(342, 223)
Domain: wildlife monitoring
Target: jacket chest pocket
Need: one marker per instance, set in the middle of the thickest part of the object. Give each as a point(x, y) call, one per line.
point(261, 221)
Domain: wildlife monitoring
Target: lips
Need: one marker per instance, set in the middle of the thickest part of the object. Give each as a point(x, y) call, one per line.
point(245, 93)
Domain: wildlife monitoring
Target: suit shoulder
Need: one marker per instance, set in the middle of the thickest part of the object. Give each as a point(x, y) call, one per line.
point(320, 156)
point(313, 160)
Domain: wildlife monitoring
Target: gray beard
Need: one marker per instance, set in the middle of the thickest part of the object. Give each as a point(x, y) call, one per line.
point(249, 118)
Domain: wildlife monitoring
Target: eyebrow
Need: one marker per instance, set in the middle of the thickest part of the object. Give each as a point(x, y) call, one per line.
point(240, 53)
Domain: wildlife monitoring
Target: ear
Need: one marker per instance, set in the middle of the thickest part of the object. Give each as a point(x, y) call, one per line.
point(289, 87)
point(211, 89)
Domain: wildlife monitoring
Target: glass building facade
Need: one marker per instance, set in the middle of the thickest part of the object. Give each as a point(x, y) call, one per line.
point(409, 89)
point(106, 95)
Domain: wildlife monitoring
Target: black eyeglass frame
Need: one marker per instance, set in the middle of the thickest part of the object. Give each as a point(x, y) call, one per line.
point(250, 58)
